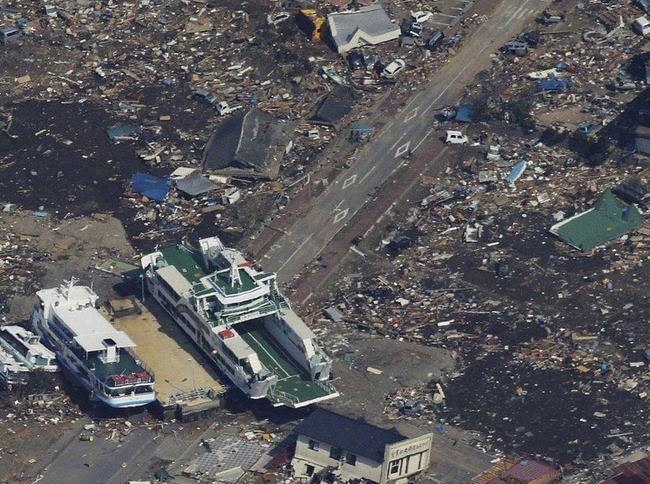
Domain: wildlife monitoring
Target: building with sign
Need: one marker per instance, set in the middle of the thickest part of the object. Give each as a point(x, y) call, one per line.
point(354, 449)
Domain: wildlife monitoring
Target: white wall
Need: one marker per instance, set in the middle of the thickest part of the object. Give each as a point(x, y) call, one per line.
point(364, 468)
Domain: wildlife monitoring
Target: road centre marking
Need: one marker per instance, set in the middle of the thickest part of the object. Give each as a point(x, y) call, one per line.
point(349, 181)
point(341, 215)
point(402, 149)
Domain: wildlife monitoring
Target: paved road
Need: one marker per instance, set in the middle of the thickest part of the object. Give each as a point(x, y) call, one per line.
point(387, 151)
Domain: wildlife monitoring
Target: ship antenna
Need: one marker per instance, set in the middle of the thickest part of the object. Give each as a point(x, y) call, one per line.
point(234, 275)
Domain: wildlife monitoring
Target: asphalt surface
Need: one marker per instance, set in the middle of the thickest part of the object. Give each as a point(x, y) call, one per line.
point(398, 140)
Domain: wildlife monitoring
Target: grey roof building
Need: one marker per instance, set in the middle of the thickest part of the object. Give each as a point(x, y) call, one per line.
point(355, 449)
point(249, 143)
point(368, 25)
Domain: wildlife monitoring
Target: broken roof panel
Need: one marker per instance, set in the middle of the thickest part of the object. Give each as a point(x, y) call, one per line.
point(368, 25)
point(195, 184)
point(608, 219)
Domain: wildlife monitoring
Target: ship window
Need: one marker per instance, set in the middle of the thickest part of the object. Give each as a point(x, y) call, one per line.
point(314, 444)
point(17, 345)
point(351, 459)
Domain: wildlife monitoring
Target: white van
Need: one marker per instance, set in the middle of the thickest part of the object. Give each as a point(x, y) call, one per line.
point(642, 26)
point(456, 138)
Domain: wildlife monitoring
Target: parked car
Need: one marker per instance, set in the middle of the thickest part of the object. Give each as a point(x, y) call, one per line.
point(434, 41)
point(204, 96)
point(415, 30)
point(277, 18)
point(548, 18)
point(411, 28)
point(392, 69)
point(531, 38)
point(456, 138)
point(9, 34)
point(619, 84)
point(421, 16)
point(356, 60)
point(588, 127)
point(372, 61)
point(516, 47)
point(641, 26)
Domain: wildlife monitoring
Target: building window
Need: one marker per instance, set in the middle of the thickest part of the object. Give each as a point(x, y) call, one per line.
point(309, 470)
point(313, 444)
point(335, 453)
point(394, 467)
point(351, 459)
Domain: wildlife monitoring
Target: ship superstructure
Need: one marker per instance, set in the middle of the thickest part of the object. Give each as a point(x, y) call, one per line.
point(22, 352)
point(237, 316)
point(96, 354)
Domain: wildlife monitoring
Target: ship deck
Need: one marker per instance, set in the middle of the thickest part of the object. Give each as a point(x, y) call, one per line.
point(294, 386)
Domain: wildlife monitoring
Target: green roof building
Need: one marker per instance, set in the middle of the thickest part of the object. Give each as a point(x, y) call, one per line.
point(609, 219)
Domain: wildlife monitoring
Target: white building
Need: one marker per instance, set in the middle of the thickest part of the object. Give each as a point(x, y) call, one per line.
point(355, 449)
point(369, 25)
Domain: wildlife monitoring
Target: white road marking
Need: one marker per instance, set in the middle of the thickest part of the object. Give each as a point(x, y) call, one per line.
point(423, 138)
point(341, 215)
point(447, 15)
point(337, 207)
point(521, 7)
point(395, 143)
point(439, 23)
point(414, 112)
point(402, 149)
point(367, 174)
point(295, 251)
point(349, 181)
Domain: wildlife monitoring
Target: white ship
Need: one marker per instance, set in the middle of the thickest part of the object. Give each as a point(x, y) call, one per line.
point(237, 316)
point(22, 352)
point(96, 354)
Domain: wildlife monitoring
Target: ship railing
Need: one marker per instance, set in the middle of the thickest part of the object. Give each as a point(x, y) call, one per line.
point(141, 363)
point(325, 386)
point(283, 397)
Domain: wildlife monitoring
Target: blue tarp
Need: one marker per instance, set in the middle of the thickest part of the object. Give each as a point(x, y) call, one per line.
point(553, 85)
point(465, 113)
point(516, 172)
point(151, 186)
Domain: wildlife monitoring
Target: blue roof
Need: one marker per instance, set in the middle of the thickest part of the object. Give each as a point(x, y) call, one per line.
point(465, 113)
point(151, 186)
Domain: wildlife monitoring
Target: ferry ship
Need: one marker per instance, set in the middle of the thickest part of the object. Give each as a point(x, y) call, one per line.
point(22, 352)
point(239, 319)
point(96, 354)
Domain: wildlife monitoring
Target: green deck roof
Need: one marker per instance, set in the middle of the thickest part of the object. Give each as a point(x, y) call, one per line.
point(222, 279)
point(181, 258)
point(608, 219)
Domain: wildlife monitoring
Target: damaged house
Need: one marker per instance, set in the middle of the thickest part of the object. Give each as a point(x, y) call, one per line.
point(250, 143)
point(333, 108)
point(368, 25)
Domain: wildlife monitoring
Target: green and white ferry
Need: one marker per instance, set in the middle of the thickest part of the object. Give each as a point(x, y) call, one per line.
point(239, 319)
